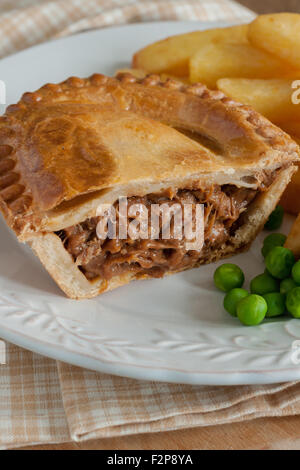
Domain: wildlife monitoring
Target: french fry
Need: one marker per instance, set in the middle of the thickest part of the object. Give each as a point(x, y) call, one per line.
point(172, 55)
point(292, 128)
point(215, 61)
point(278, 34)
point(290, 199)
point(293, 239)
point(138, 73)
point(272, 98)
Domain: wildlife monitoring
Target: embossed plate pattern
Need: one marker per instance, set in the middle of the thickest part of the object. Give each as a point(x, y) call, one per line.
point(170, 330)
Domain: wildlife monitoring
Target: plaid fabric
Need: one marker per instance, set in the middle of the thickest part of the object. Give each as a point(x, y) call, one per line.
point(31, 407)
point(32, 21)
point(42, 401)
point(99, 405)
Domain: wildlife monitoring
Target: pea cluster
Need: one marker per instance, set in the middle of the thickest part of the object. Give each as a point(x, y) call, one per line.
point(273, 293)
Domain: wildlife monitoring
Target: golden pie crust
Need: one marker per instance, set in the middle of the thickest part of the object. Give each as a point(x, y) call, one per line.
point(68, 147)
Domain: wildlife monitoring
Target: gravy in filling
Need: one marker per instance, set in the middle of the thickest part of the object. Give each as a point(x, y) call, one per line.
point(223, 206)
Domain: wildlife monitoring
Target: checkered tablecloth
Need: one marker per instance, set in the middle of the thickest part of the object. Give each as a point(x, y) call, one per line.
point(42, 401)
point(24, 23)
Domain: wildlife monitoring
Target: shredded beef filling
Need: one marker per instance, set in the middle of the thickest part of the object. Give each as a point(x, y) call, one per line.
point(110, 257)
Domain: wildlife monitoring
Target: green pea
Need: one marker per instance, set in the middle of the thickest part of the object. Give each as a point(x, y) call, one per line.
point(279, 262)
point(263, 284)
point(293, 302)
point(275, 219)
point(276, 304)
point(272, 240)
point(296, 273)
point(228, 276)
point(232, 298)
point(252, 310)
point(286, 285)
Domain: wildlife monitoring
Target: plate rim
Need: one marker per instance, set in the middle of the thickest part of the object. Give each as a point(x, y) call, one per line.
point(239, 377)
point(141, 372)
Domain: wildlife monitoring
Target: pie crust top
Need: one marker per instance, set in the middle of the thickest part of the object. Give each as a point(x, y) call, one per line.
point(85, 135)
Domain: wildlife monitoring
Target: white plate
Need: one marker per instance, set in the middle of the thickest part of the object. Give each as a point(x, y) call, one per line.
point(170, 330)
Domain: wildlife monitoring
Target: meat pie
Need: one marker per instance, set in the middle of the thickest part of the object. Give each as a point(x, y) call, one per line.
point(68, 148)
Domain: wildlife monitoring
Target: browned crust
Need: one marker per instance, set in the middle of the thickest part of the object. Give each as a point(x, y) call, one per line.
point(15, 198)
point(32, 183)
